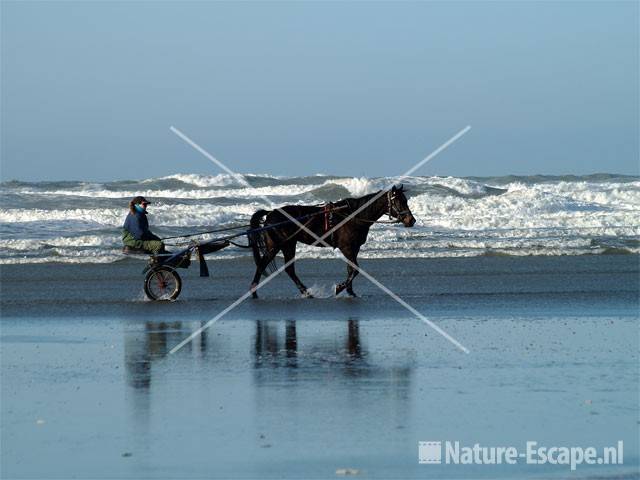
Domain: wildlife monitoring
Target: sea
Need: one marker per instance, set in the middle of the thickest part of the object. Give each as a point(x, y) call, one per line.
point(80, 221)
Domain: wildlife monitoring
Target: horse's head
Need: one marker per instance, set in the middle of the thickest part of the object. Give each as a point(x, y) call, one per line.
point(398, 207)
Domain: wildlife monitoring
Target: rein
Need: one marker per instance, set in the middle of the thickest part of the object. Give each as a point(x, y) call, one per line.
point(217, 230)
point(364, 220)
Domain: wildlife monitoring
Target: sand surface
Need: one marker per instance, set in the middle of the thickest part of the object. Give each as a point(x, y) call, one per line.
point(285, 387)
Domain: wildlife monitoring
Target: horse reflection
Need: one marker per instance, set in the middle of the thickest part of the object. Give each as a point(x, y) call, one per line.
point(268, 339)
point(308, 365)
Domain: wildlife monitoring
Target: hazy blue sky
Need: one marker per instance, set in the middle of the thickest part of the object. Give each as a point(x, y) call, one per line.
point(90, 89)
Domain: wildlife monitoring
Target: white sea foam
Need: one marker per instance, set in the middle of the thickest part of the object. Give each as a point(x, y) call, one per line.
point(82, 241)
point(152, 194)
point(202, 181)
point(58, 259)
point(358, 187)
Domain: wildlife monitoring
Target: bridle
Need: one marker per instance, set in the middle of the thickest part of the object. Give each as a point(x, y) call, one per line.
point(391, 196)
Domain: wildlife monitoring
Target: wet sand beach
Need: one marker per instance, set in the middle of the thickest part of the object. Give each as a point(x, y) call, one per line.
point(286, 387)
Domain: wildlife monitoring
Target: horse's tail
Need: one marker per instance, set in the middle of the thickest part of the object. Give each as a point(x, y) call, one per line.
point(256, 239)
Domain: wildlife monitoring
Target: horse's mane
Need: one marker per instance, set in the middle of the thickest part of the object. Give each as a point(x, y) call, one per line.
point(356, 202)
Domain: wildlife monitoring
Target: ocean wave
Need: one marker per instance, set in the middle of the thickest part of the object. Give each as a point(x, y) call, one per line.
point(75, 221)
point(206, 186)
point(200, 181)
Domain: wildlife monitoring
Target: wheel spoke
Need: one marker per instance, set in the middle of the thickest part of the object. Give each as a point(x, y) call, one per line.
point(161, 282)
point(163, 285)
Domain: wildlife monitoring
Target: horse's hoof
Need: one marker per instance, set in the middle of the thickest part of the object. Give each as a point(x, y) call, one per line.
point(307, 295)
point(352, 294)
point(254, 295)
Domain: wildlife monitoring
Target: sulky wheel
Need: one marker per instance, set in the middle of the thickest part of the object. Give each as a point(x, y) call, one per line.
point(162, 283)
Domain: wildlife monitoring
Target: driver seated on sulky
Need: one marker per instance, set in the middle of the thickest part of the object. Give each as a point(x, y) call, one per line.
point(136, 235)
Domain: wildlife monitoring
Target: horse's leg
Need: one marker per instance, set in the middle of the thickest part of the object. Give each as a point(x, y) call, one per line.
point(351, 274)
point(260, 268)
point(289, 252)
point(351, 254)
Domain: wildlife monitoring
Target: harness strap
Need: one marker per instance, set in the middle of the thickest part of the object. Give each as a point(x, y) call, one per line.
point(239, 245)
point(305, 225)
point(326, 209)
point(328, 219)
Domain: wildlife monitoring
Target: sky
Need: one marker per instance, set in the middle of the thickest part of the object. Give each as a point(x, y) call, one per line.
point(90, 89)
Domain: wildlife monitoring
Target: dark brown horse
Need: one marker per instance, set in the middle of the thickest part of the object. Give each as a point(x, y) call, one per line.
point(279, 233)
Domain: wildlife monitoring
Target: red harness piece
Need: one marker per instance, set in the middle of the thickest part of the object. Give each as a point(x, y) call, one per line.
point(327, 215)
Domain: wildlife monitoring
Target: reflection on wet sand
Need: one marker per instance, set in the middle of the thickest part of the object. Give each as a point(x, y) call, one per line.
point(143, 348)
point(329, 350)
point(267, 343)
point(268, 338)
point(275, 344)
point(306, 349)
point(272, 376)
point(310, 369)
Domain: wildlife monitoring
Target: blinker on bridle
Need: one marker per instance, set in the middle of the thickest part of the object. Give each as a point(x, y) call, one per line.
point(390, 206)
